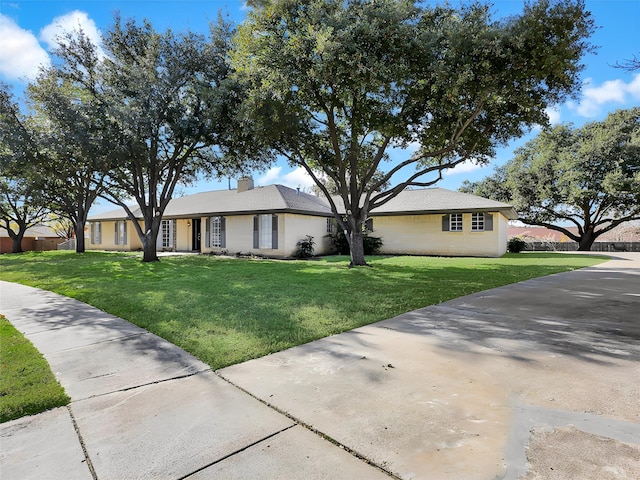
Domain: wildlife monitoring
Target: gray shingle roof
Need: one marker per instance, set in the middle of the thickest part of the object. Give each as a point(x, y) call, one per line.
point(43, 231)
point(271, 198)
point(278, 198)
point(440, 200)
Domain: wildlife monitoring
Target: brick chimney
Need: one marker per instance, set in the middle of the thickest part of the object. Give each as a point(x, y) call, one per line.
point(244, 184)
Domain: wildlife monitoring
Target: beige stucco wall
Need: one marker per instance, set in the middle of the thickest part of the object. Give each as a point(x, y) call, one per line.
point(297, 227)
point(291, 229)
point(108, 238)
point(401, 234)
point(423, 235)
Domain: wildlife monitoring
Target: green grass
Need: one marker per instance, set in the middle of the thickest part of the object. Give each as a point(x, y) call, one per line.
point(27, 385)
point(225, 311)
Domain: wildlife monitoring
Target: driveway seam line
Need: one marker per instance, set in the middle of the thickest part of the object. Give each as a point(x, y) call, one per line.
point(317, 432)
point(235, 452)
point(126, 389)
point(87, 459)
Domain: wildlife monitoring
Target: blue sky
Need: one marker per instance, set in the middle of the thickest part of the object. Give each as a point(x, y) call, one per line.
point(28, 29)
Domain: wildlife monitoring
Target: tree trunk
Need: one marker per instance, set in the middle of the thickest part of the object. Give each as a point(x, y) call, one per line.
point(16, 243)
point(79, 222)
point(149, 252)
point(80, 245)
point(149, 239)
point(356, 247)
point(586, 241)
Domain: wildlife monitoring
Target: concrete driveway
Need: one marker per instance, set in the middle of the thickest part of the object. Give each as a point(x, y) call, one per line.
point(536, 380)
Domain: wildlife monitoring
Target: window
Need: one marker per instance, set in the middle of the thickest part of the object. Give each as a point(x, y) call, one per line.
point(477, 222)
point(455, 222)
point(166, 235)
point(265, 231)
point(96, 233)
point(368, 225)
point(330, 225)
point(216, 232)
point(120, 233)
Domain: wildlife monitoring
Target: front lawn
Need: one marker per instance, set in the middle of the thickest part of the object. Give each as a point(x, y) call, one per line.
point(225, 311)
point(27, 385)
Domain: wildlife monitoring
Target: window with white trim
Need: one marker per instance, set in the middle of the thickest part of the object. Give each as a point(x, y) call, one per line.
point(216, 231)
point(265, 231)
point(455, 222)
point(330, 225)
point(120, 232)
point(477, 222)
point(96, 233)
point(166, 234)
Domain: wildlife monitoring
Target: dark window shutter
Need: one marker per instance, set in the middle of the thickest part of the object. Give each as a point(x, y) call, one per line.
point(116, 240)
point(255, 232)
point(488, 222)
point(207, 232)
point(125, 232)
point(274, 232)
point(445, 223)
point(92, 232)
point(223, 241)
point(368, 224)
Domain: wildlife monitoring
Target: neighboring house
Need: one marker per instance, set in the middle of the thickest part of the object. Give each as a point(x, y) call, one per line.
point(270, 221)
point(37, 238)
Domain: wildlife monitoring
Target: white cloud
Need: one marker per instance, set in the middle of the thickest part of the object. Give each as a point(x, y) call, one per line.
point(293, 179)
point(298, 178)
point(611, 91)
point(20, 53)
point(464, 167)
point(553, 115)
point(270, 177)
point(634, 87)
point(70, 22)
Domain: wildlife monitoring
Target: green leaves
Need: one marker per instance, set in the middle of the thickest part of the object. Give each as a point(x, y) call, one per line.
point(332, 84)
point(589, 176)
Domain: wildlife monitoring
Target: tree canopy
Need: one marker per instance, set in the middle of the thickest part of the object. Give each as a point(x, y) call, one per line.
point(337, 86)
point(22, 204)
point(78, 140)
point(163, 102)
point(587, 178)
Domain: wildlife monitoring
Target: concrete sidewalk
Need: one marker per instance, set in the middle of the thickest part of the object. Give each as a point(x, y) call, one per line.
point(539, 379)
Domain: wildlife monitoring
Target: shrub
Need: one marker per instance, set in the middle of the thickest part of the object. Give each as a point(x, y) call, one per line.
point(372, 245)
point(306, 247)
point(340, 244)
point(516, 245)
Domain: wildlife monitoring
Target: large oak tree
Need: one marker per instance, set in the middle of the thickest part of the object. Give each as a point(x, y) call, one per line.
point(78, 137)
point(587, 178)
point(335, 86)
point(168, 102)
point(21, 202)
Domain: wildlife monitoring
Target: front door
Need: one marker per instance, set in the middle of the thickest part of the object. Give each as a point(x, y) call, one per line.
point(195, 234)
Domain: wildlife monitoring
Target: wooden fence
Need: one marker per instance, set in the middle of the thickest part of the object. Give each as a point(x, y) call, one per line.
point(573, 246)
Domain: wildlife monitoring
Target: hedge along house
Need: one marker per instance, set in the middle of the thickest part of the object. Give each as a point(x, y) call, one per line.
point(270, 221)
point(267, 221)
